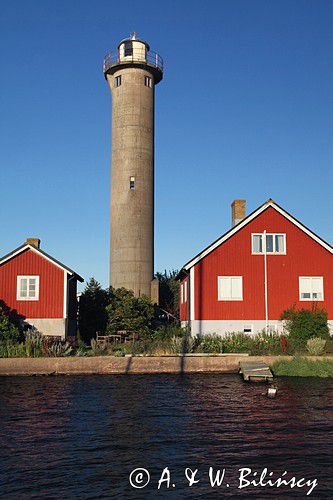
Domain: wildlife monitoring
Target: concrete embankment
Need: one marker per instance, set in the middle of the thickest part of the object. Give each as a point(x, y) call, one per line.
point(129, 364)
point(112, 364)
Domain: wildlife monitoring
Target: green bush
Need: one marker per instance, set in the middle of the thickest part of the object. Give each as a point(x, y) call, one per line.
point(33, 342)
point(303, 367)
point(210, 343)
point(56, 349)
point(12, 350)
point(170, 331)
point(265, 343)
point(316, 346)
point(236, 342)
point(304, 324)
point(8, 331)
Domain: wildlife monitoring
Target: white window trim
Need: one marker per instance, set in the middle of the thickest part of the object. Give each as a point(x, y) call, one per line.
point(18, 288)
point(310, 299)
point(185, 291)
point(182, 293)
point(223, 299)
point(264, 243)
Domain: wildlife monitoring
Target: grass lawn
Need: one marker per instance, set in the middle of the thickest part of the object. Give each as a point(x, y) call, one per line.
point(304, 367)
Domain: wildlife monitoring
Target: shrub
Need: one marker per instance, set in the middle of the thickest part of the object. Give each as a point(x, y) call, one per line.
point(56, 349)
point(210, 343)
point(33, 342)
point(8, 332)
point(265, 343)
point(303, 367)
point(236, 342)
point(304, 324)
point(166, 332)
point(98, 349)
point(12, 350)
point(284, 344)
point(316, 346)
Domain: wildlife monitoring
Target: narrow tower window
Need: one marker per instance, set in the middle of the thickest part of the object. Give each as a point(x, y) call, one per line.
point(148, 81)
point(118, 81)
point(128, 49)
point(132, 182)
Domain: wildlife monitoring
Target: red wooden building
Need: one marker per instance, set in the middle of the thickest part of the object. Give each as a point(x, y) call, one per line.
point(40, 288)
point(266, 263)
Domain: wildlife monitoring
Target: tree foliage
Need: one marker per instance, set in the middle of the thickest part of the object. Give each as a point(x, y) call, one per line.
point(169, 292)
point(126, 312)
point(92, 310)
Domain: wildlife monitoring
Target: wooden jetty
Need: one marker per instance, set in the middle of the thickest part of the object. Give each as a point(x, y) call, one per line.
point(255, 371)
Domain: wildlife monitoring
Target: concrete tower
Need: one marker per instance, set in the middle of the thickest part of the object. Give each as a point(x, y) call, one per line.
point(132, 73)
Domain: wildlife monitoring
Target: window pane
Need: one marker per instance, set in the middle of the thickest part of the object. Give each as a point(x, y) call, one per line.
point(24, 284)
point(269, 243)
point(279, 243)
point(317, 285)
point(236, 288)
point(225, 284)
point(305, 284)
point(306, 295)
point(257, 243)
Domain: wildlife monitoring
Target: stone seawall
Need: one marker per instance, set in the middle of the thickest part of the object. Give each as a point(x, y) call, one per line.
point(129, 364)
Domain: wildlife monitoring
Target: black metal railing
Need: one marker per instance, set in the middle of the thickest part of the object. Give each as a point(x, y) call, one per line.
point(142, 56)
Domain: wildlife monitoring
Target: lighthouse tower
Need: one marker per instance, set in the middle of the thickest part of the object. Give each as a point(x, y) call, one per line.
point(132, 73)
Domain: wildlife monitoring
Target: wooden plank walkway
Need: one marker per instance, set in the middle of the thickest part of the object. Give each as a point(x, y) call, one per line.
point(255, 371)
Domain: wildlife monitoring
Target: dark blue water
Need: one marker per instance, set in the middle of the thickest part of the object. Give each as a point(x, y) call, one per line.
point(80, 437)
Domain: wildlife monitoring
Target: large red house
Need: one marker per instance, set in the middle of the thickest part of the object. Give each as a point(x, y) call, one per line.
point(40, 288)
point(266, 263)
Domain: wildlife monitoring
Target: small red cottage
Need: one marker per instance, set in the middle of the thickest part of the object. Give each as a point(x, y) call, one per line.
point(266, 263)
point(40, 288)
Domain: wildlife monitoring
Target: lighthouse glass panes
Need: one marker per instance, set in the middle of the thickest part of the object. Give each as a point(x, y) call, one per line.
point(118, 80)
point(148, 82)
point(275, 243)
point(128, 48)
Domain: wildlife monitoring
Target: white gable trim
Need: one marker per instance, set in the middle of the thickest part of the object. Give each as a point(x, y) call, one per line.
point(34, 249)
point(248, 219)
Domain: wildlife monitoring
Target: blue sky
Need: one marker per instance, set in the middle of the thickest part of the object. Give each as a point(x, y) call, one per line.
point(245, 110)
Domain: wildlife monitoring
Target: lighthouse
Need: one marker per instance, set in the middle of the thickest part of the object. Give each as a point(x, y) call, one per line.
point(132, 74)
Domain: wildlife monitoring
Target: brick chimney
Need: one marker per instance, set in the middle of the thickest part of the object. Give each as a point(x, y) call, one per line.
point(237, 211)
point(35, 242)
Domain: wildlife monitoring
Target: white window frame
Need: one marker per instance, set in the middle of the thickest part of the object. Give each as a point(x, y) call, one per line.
point(248, 327)
point(219, 288)
point(18, 287)
point(185, 291)
point(264, 243)
point(311, 299)
point(118, 80)
point(182, 293)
